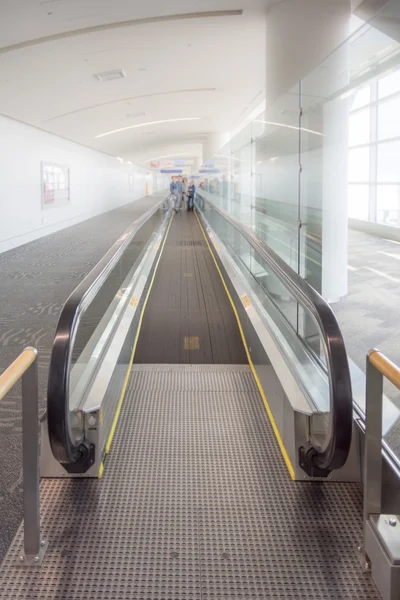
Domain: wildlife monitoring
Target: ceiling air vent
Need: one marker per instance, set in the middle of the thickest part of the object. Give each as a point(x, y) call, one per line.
point(110, 75)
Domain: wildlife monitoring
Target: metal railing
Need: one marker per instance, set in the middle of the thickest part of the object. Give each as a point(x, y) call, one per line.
point(381, 531)
point(24, 368)
point(378, 368)
point(70, 449)
point(315, 458)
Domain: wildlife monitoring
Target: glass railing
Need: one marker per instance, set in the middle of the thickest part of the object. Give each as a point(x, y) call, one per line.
point(303, 326)
point(85, 329)
point(315, 175)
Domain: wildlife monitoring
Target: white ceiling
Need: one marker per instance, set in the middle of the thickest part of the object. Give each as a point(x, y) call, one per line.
point(208, 67)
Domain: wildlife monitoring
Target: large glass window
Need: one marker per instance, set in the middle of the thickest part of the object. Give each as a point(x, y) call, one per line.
point(374, 154)
point(361, 98)
point(359, 164)
point(359, 127)
point(389, 119)
point(358, 198)
point(390, 84)
point(389, 162)
point(388, 204)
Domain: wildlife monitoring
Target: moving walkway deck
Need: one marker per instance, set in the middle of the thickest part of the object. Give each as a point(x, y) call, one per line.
point(188, 318)
point(195, 499)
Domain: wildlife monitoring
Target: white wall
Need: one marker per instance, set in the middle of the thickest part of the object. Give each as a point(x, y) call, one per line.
point(99, 183)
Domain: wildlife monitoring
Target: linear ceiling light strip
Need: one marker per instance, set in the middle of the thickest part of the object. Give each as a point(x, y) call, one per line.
point(120, 25)
point(288, 126)
point(146, 124)
point(130, 99)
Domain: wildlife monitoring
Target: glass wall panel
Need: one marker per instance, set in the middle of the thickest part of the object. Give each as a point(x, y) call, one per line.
point(275, 136)
point(324, 147)
point(327, 151)
point(241, 175)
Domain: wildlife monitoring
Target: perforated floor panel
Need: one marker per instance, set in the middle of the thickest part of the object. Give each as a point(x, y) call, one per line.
point(195, 503)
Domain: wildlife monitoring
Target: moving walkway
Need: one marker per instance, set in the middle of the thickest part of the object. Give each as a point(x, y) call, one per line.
point(198, 441)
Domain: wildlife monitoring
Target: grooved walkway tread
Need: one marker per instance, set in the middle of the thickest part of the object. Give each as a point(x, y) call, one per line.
point(195, 504)
point(188, 318)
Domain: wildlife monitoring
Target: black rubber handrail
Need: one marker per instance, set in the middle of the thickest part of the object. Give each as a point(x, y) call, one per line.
point(316, 459)
point(72, 451)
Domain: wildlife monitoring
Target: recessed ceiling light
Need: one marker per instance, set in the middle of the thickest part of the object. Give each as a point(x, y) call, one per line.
point(110, 75)
point(146, 124)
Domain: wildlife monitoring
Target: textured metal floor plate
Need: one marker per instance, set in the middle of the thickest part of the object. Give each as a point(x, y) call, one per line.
point(192, 378)
point(195, 503)
point(189, 368)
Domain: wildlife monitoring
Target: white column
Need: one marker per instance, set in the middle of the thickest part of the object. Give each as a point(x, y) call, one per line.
point(214, 143)
point(197, 164)
point(300, 35)
point(334, 200)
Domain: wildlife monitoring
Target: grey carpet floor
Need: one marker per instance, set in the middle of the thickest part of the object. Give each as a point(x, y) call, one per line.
point(35, 281)
point(369, 315)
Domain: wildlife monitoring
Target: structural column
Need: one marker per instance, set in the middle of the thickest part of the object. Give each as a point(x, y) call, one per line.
point(301, 34)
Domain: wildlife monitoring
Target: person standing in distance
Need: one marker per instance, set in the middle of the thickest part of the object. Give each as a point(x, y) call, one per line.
point(173, 188)
point(191, 192)
point(180, 192)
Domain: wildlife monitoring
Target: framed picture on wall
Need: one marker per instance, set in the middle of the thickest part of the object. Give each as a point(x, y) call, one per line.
point(55, 181)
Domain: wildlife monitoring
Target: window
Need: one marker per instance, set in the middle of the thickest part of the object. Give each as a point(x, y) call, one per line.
point(361, 98)
point(374, 151)
point(359, 164)
point(359, 128)
point(389, 119)
point(388, 204)
point(389, 85)
point(358, 202)
point(389, 162)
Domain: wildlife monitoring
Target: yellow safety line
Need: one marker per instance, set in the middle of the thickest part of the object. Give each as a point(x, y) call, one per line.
point(122, 396)
point(253, 370)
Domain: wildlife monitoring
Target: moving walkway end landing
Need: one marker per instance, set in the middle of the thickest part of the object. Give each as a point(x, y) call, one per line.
point(172, 282)
point(175, 357)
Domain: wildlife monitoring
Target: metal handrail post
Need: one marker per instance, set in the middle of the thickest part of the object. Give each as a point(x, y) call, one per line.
point(24, 367)
point(373, 442)
point(381, 552)
point(34, 547)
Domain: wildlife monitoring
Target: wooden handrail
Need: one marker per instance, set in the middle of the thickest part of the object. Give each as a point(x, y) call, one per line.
point(385, 367)
point(15, 371)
